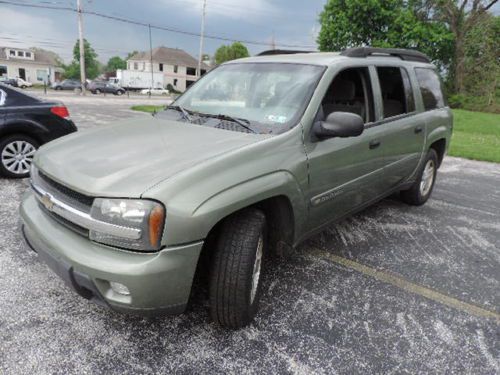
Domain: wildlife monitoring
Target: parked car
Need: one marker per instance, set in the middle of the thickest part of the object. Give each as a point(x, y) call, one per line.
point(23, 84)
point(98, 87)
point(253, 158)
point(26, 123)
point(9, 81)
point(67, 84)
point(155, 91)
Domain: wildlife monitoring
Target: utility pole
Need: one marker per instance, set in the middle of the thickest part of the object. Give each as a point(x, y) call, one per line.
point(151, 59)
point(82, 47)
point(202, 35)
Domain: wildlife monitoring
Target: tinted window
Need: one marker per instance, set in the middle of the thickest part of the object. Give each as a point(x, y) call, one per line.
point(430, 87)
point(392, 90)
point(350, 91)
point(410, 99)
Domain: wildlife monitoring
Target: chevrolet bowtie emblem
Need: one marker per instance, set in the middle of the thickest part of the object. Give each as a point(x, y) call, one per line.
point(47, 201)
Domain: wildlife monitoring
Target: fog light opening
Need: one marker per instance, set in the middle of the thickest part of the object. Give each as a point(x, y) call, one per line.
point(119, 288)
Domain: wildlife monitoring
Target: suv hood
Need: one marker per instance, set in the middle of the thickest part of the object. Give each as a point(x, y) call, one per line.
point(126, 158)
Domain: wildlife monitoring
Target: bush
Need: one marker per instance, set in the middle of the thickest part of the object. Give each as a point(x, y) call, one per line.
point(171, 89)
point(475, 103)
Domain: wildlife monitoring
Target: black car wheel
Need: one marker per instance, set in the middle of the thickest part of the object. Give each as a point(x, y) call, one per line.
point(119, 93)
point(97, 91)
point(235, 275)
point(58, 88)
point(16, 153)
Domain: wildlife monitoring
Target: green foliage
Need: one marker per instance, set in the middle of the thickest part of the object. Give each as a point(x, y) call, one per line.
point(476, 136)
point(148, 108)
point(115, 63)
point(130, 54)
point(383, 23)
point(234, 51)
point(91, 64)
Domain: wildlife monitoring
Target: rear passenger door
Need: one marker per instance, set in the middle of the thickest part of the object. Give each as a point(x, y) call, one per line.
point(404, 134)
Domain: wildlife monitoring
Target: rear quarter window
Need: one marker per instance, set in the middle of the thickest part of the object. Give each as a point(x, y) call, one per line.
point(430, 88)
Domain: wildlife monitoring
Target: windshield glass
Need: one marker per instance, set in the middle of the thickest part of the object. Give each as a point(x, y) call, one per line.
point(271, 97)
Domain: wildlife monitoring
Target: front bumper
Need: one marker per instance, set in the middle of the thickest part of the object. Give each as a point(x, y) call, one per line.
point(159, 283)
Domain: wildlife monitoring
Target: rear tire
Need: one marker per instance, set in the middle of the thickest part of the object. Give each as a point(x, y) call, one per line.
point(16, 155)
point(235, 272)
point(421, 190)
point(97, 92)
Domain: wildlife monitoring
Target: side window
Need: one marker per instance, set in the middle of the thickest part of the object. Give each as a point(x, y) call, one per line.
point(3, 98)
point(393, 91)
point(410, 98)
point(430, 87)
point(350, 91)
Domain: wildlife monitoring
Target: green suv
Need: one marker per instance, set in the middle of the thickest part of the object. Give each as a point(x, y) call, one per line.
point(256, 156)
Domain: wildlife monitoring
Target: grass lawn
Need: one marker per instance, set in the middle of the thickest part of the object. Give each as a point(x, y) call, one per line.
point(147, 108)
point(476, 135)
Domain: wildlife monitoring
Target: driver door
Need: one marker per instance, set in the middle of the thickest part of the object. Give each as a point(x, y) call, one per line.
point(345, 173)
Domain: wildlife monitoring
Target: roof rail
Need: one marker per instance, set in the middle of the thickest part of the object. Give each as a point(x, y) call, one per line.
point(280, 52)
point(403, 54)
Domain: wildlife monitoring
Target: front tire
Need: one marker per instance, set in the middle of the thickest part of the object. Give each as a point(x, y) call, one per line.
point(235, 275)
point(16, 155)
point(421, 190)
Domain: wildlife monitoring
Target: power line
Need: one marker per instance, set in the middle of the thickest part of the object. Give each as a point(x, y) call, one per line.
point(157, 27)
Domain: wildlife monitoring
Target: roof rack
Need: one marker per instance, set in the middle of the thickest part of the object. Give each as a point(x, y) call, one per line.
point(280, 52)
point(403, 54)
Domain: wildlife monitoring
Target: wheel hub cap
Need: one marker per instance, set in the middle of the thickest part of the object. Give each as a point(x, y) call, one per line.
point(17, 156)
point(427, 178)
point(256, 268)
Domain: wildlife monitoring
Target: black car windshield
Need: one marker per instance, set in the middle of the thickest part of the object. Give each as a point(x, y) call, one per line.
point(271, 97)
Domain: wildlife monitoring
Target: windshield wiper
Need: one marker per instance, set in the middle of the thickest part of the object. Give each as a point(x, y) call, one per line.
point(181, 109)
point(244, 123)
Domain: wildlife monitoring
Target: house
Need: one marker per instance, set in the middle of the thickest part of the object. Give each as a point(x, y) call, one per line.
point(178, 67)
point(32, 65)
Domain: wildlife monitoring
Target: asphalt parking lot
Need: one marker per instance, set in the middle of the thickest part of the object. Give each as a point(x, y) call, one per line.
point(394, 289)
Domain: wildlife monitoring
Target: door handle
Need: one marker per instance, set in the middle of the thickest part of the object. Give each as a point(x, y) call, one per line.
point(418, 129)
point(374, 144)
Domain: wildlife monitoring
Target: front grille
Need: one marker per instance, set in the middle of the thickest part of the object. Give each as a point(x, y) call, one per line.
point(66, 192)
point(68, 224)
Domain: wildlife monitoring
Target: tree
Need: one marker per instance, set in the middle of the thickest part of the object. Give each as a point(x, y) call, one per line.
point(91, 64)
point(234, 51)
point(461, 16)
point(383, 23)
point(115, 63)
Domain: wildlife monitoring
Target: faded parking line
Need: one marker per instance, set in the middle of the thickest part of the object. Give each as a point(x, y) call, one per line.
point(407, 285)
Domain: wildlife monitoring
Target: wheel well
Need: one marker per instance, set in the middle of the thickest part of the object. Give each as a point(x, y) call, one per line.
point(281, 229)
point(26, 134)
point(439, 146)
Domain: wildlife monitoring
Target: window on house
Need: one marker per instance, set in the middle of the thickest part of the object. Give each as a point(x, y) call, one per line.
point(28, 55)
point(189, 83)
point(12, 53)
point(41, 75)
point(176, 68)
point(430, 87)
point(3, 70)
point(175, 82)
point(20, 53)
point(203, 71)
point(136, 66)
point(161, 67)
point(191, 71)
point(392, 90)
point(350, 91)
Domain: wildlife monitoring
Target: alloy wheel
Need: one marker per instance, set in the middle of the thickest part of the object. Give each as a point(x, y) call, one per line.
point(17, 156)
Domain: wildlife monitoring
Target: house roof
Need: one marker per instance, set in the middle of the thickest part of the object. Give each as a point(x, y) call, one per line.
point(41, 56)
point(171, 56)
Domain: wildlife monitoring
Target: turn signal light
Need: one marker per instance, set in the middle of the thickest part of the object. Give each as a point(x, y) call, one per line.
point(60, 111)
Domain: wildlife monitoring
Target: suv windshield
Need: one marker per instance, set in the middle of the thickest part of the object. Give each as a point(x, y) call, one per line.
point(269, 97)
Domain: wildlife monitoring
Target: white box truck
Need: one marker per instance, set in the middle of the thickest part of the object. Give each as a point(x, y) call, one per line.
point(135, 80)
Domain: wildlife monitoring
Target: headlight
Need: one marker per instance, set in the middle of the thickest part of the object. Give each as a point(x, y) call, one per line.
point(147, 217)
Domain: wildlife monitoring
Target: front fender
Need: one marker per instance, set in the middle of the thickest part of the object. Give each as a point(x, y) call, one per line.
point(184, 227)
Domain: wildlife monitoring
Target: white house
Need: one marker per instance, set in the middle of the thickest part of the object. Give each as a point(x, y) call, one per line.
point(35, 66)
point(178, 67)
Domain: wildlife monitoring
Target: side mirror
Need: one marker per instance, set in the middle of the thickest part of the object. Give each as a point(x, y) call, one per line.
point(339, 124)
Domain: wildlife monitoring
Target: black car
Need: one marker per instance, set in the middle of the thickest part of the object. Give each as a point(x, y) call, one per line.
point(97, 87)
point(67, 84)
point(26, 122)
point(10, 82)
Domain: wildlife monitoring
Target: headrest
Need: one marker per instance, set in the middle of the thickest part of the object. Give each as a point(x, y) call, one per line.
point(343, 90)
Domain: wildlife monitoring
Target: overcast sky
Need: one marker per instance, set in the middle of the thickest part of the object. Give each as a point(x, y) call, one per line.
point(293, 22)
